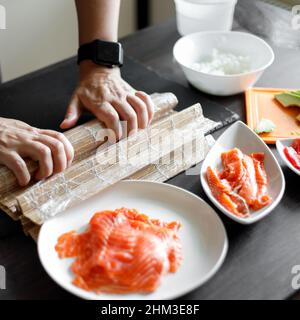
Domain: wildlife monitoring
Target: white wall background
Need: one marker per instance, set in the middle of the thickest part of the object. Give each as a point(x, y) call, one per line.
point(42, 32)
point(38, 32)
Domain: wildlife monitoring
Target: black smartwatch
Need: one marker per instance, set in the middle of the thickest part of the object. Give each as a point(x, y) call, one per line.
point(105, 53)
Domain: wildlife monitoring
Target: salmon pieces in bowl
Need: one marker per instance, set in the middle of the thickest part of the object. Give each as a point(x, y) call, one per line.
point(242, 184)
point(241, 176)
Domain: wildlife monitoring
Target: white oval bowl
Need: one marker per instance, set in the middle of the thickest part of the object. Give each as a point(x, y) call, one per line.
point(198, 46)
point(240, 136)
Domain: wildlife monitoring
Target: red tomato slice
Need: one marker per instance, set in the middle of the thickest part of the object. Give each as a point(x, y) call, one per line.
point(292, 156)
point(296, 145)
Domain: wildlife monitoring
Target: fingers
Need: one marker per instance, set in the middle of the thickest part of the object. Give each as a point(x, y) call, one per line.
point(49, 146)
point(149, 103)
point(127, 114)
point(18, 166)
point(110, 117)
point(51, 149)
point(73, 113)
point(41, 153)
point(141, 110)
point(68, 148)
point(136, 110)
point(58, 154)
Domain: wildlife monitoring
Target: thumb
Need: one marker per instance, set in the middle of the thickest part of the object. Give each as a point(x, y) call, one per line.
point(73, 113)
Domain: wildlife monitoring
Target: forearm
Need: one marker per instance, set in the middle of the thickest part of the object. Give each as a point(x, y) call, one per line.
point(98, 19)
point(101, 89)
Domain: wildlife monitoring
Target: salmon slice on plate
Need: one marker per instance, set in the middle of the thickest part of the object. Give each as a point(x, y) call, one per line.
point(122, 251)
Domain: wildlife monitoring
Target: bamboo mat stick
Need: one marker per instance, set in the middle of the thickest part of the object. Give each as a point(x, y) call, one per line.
point(85, 139)
point(89, 177)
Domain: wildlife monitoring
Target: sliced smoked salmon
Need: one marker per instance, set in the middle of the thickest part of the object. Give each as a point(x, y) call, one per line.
point(222, 191)
point(122, 251)
point(262, 197)
point(242, 184)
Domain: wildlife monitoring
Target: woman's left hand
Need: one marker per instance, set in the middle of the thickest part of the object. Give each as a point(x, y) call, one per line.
point(103, 92)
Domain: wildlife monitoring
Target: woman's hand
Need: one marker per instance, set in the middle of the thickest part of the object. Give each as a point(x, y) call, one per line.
point(103, 92)
point(18, 140)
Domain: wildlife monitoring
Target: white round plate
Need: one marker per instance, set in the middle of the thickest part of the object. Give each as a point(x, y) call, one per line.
point(203, 235)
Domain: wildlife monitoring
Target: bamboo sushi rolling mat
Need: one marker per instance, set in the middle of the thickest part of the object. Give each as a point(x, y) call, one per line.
point(98, 164)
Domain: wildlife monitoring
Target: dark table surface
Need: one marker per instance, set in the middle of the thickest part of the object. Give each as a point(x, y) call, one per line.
point(260, 257)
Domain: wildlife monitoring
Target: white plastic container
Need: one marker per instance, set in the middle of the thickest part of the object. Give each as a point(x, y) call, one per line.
point(204, 15)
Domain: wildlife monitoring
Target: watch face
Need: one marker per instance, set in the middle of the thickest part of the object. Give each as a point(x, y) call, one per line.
point(109, 52)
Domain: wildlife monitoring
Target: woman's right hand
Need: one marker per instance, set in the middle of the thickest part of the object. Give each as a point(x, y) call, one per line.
point(51, 149)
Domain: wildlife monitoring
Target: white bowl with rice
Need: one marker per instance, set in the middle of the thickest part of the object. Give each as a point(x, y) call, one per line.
point(223, 62)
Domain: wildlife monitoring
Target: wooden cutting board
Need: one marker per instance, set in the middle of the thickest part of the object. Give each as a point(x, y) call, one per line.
point(261, 104)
